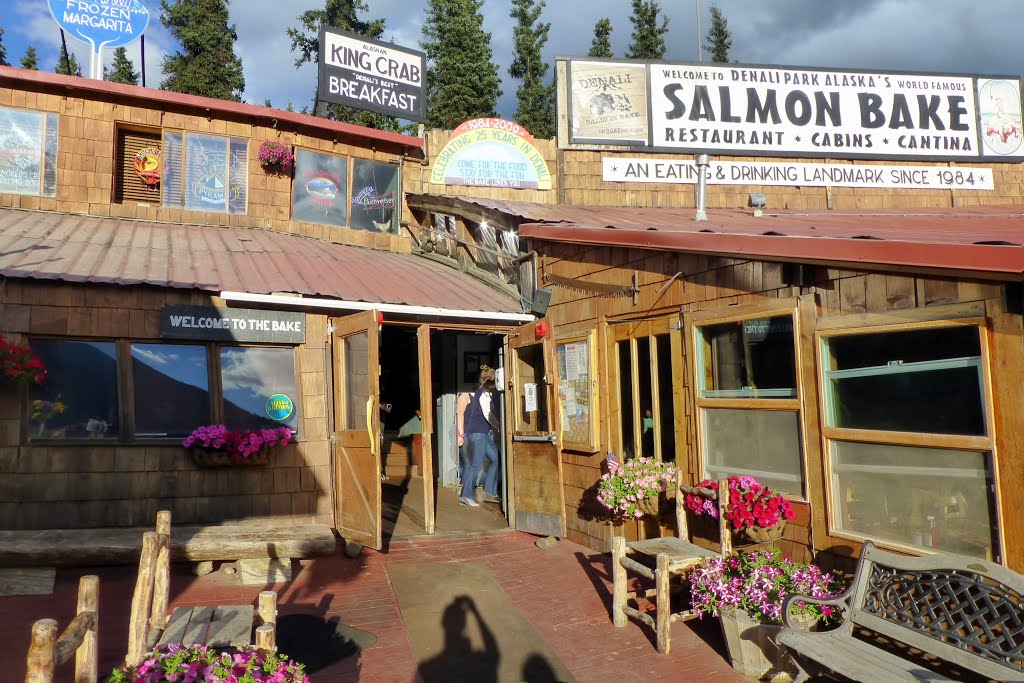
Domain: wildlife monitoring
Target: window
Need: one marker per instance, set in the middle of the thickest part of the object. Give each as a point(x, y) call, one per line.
point(908, 444)
point(28, 152)
point(374, 190)
point(205, 172)
point(170, 389)
point(748, 397)
point(646, 406)
point(79, 399)
point(320, 188)
point(139, 161)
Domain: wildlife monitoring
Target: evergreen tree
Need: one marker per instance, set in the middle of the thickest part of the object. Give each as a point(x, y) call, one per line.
point(206, 64)
point(67, 63)
point(342, 15)
point(719, 39)
point(535, 97)
point(122, 70)
point(29, 61)
point(648, 33)
point(3, 50)
point(602, 44)
point(462, 79)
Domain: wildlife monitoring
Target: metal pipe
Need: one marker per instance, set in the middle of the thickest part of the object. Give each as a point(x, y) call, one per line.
point(702, 187)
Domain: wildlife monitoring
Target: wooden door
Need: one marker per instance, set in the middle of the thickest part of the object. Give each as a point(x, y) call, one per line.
point(426, 427)
point(356, 342)
point(535, 467)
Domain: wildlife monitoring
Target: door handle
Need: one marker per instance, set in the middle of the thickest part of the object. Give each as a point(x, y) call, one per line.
point(539, 438)
point(369, 426)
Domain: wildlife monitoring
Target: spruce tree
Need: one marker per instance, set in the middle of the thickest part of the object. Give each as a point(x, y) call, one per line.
point(3, 50)
point(648, 33)
point(342, 15)
point(67, 63)
point(122, 70)
point(462, 79)
point(719, 39)
point(536, 93)
point(602, 43)
point(206, 64)
point(30, 61)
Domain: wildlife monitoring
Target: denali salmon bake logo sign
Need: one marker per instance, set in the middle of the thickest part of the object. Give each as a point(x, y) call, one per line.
point(777, 111)
point(368, 74)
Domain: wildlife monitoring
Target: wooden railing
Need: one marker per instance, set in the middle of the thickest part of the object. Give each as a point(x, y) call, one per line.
point(47, 651)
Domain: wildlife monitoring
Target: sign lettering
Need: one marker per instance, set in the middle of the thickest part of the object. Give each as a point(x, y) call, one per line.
point(232, 324)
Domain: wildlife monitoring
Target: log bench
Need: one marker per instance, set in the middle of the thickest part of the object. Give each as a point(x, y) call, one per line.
point(959, 610)
point(109, 546)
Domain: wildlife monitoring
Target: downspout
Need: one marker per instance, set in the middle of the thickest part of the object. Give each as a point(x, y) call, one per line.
point(702, 187)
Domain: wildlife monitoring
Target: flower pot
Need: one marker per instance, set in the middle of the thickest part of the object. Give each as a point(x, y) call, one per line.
point(753, 647)
point(765, 534)
point(650, 506)
point(209, 457)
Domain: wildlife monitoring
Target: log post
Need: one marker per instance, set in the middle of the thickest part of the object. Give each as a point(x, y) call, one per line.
point(142, 600)
point(265, 637)
point(267, 610)
point(41, 652)
point(618, 580)
point(87, 655)
point(663, 603)
point(162, 576)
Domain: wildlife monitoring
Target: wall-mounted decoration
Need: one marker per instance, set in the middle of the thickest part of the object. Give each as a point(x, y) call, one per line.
point(375, 192)
point(147, 165)
point(577, 391)
point(275, 157)
point(999, 107)
point(491, 153)
point(28, 152)
point(320, 188)
point(608, 101)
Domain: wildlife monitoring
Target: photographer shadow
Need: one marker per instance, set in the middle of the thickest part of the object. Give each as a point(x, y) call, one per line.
point(461, 659)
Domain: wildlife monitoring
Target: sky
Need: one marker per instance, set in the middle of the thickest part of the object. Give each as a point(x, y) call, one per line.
point(953, 36)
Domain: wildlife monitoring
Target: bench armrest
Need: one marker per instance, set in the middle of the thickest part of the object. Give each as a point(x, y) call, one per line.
point(842, 602)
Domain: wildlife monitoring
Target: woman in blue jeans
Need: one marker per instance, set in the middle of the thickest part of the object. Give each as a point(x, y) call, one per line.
point(477, 423)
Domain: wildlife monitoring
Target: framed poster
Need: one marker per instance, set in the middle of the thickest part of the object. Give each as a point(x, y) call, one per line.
point(320, 188)
point(28, 152)
point(374, 195)
point(578, 391)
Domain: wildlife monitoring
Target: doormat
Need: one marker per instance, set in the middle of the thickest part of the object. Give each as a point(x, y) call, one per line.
point(463, 627)
point(317, 642)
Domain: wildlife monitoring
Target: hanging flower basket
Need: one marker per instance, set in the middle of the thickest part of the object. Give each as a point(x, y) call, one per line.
point(217, 446)
point(209, 457)
point(275, 157)
point(765, 534)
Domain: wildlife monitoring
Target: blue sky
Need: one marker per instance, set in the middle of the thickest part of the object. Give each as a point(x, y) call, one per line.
point(912, 35)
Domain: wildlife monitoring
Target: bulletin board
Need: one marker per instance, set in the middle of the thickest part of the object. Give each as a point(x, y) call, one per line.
point(578, 391)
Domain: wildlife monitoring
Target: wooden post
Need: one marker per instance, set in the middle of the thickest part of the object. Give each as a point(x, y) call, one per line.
point(663, 604)
point(162, 571)
point(682, 525)
point(86, 656)
point(723, 523)
point(41, 651)
point(266, 632)
point(618, 580)
point(142, 600)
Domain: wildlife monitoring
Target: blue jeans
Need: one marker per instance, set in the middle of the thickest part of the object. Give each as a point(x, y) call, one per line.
point(478, 447)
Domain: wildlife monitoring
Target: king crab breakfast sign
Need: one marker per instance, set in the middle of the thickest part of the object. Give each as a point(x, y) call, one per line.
point(101, 23)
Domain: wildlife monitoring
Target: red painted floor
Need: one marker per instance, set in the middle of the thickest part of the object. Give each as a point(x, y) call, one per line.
point(565, 592)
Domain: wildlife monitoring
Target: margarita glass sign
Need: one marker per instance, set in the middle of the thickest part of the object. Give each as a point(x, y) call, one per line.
point(101, 23)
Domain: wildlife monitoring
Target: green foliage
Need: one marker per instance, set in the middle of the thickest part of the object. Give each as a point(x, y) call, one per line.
point(602, 43)
point(67, 63)
point(3, 50)
point(535, 97)
point(342, 15)
point(206, 64)
point(719, 39)
point(122, 70)
point(648, 32)
point(462, 79)
point(30, 61)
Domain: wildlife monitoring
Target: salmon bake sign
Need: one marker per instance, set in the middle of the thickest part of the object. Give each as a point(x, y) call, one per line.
point(745, 110)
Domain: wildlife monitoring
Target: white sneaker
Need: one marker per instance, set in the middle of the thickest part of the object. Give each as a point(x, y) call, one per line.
point(469, 502)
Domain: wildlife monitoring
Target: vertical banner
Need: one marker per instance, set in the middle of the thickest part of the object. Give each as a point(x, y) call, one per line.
point(999, 110)
point(320, 188)
point(374, 196)
point(608, 101)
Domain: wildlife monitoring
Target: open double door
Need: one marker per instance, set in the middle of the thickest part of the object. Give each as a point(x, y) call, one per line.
point(534, 471)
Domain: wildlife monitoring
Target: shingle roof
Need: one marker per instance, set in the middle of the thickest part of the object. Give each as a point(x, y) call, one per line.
point(92, 249)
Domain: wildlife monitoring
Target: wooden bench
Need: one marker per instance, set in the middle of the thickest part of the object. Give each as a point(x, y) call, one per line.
point(47, 651)
point(963, 611)
point(218, 626)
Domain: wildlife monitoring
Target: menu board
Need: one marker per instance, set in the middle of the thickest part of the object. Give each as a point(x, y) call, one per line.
point(577, 392)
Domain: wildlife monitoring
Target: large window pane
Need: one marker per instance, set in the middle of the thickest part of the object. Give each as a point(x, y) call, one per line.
point(752, 358)
point(172, 389)
point(259, 387)
point(924, 497)
point(28, 148)
point(665, 398)
point(764, 444)
point(918, 381)
point(626, 398)
point(357, 382)
point(79, 398)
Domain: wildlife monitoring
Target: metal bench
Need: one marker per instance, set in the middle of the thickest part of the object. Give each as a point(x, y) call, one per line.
point(963, 611)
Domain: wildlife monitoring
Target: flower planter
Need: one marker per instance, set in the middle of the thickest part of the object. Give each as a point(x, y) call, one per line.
point(206, 457)
point(765, 534)
point(650, 506)
point(754, 649)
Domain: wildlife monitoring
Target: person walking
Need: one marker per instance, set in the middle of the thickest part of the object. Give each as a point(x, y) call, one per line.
point(477, 423)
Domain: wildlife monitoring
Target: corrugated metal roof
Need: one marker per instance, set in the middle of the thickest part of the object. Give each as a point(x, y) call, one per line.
point(76, 248)
point(980, 238)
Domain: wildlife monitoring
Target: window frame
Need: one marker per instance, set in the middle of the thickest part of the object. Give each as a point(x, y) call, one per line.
point(126, 390)
point(968, 443)
point(229, 139)
point(793, 404)
point(45, 118)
